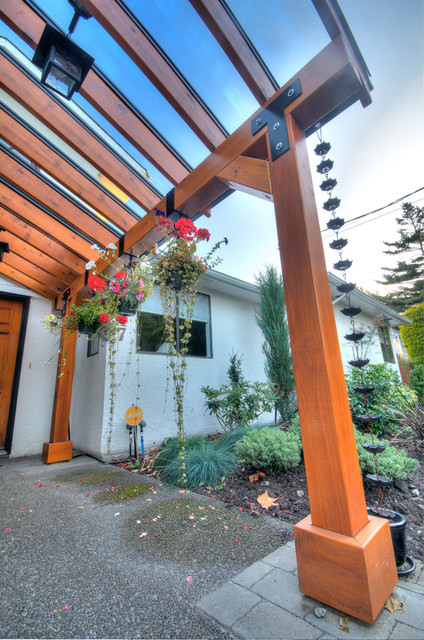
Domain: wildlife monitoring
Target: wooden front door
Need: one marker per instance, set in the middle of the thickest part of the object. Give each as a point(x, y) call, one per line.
point(10, 324)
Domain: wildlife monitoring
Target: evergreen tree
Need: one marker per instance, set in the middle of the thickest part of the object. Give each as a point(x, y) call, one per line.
point(271, 319)
point(408, 274)
point(413, 334)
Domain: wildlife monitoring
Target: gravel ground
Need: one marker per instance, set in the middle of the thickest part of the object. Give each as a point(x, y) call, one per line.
point(78, 566)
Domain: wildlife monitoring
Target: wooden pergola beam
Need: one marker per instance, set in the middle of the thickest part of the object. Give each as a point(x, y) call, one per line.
point(23, 279)
point(44, 156)
point(157, 68)
point(71, 263)
point(248, 174)
point(29, 26)
point(17, 174)
point(30, 95)
point(17, 204)
point(233, 42)
point(327, 81)
point(37, 258)
point(16, 261)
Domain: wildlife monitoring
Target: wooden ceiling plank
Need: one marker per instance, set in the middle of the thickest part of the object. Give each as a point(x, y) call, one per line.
point(42, 221)
point(36, 257)
point(19, 175)
point(233, 43)
point(327, 81)
point(249, 172)
point(33, 271)
point(25, 281)
point(30, 95)
point(71, 263)
point(29, 26)
point(52, 163)
point(134, 42)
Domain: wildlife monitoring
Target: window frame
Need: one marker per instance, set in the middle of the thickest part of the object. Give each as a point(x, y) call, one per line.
point(165, 353)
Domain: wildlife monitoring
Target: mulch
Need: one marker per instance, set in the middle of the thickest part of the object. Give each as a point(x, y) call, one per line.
point(289, 489)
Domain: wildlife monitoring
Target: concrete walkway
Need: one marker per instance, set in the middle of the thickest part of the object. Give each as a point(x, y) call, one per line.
point(264, 602)
point(76, 567)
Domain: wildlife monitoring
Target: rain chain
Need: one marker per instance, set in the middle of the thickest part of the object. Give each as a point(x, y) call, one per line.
point(338, 244)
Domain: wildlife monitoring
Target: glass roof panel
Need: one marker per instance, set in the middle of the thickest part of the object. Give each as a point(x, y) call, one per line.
point(110, 58)
point(286, 33)
point(183, 35)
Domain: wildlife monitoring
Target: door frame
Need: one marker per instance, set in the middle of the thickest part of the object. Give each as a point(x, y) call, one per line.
point(18, 364)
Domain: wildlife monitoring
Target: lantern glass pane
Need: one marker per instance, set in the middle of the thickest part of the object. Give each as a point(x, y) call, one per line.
point(59, 81)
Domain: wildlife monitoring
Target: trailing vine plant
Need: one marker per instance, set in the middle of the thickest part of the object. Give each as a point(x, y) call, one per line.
point(177, 271)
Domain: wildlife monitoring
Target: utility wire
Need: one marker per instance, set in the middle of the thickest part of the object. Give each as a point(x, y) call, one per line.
point(364, 215)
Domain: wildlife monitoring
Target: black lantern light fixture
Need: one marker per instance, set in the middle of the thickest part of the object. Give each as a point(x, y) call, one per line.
point(64, 64)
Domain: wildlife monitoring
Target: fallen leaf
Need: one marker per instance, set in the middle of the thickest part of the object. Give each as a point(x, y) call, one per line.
point(393, 605)
point(142, 535)
point(87, 495)
point(236, 540)
point(245, 527)
point(5, 530)
point(255, 476)
point(266, 501)
point(343, 624)
point(189, 578)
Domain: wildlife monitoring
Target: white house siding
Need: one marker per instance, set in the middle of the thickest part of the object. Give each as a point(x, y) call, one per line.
point(88, 393)
point(233, 328)
point(37, 380)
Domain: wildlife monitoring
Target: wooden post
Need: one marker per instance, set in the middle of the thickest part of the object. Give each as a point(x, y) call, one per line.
point(344, 558)
point(59, 448)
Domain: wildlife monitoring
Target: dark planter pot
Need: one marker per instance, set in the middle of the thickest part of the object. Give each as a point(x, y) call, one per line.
point(88, 329)
point(175, 280)
point(127, 308)
point(404, 563)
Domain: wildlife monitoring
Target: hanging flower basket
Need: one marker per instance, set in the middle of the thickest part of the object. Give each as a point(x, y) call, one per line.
point(88, 329)
point(127, 308)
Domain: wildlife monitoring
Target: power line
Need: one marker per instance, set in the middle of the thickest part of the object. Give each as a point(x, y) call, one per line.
point(364, 215)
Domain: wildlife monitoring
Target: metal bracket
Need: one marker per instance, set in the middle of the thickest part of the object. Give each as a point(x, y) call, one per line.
point(61, 310)
point(171, 212)
point(274, 117)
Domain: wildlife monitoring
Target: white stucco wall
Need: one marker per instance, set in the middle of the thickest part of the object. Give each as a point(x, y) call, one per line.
point(233, 328)
point(88, 395)
point(37, 380)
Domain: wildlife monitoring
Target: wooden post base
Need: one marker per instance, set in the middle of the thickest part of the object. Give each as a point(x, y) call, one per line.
point(56, 451)
point(355, 575)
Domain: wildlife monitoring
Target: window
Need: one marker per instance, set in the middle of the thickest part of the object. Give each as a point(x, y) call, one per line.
point(151, 327)
point(386, 344)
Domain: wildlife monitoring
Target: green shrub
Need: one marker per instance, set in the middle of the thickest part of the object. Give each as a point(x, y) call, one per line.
point(231, 438)
point(239, 401)
point(392, 462)
point(417, 381)
point(388, 392)
point(205, 464)
point(270, 449)
point(413, 334)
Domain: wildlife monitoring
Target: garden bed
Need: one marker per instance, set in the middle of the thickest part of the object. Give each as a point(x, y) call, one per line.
point(293, 504)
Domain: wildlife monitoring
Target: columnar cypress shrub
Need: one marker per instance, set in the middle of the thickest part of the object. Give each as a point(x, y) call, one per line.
point(413, 334)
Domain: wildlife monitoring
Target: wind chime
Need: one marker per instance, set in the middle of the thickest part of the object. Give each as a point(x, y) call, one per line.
point(335, 223)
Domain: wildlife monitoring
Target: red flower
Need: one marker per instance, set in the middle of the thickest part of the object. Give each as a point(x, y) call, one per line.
point(122, 320)
point(203, 234)
point(104, 318)
point(186, 229)
point(97, 284)
point(120, 275)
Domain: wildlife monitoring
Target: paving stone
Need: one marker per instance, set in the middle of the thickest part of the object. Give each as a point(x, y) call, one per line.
point(405, 632)
point(283, 558)
point(252, 574)
point(266, 621)
point(413, 610)
point(380, 630)
point(282, 588)
point(228, 603)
